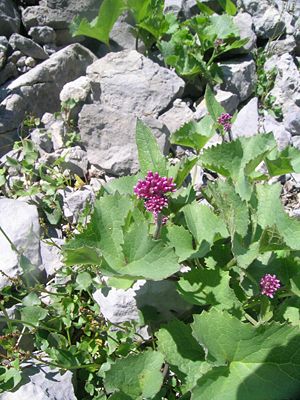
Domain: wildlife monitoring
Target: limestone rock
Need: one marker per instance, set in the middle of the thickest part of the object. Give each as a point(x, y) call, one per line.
point(75, 202)
point(37, 91)
point(9, 18)
point(177, 116)
point(27, 47)
point(282, 136)
point(42, 383)
point(51, 255)
point(227, 100)
point(130, 82)
point(75, 160)
point(77, 90)
point(292, 120)
point(109, 137)
point(42, 34)
point(239, 77)
point(244, 23)
point(24, 233)
point(246, 123)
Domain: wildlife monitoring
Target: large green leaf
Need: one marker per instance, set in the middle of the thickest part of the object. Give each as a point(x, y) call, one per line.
point(238, 159)
point(194, 134)
point(203, 223)
point(213, 107)
point(100, 27)
point(137, 375)
point(208, 287)
point(103, 236)
point(150, 156)
point(182, 352)
point(221, 26)
point(270, 212)
point(255, 362)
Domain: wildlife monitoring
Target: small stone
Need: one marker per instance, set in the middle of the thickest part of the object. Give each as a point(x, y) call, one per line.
point(77, 90)
point(282, 136)
point(42, 139)
point(246, 123)
point(177, 116)
point(21, 62)
point(14, 57)
point(30, 62)
point(8, 72)
point(57, 131)
point(27, 47)
point(280, 47)
point(42, 34)
point(292, 120)
point(75, 160)
point(75, 202)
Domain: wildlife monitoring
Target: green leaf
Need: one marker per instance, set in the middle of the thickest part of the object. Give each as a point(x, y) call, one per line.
point(203, 223)
point(194, 134)
point(32, 299)
point(181, 170)
point(221, 27)
point(228, 6)
point(137, 375)
point(263, 360)
point(150, 156)
point(204, 8)
point(182, 352)
point(208, 287)
point(213, 107)
point(182, 241)
point(270, 212)
point(139, 8)
point(33, 314)
point(123, 185)
point(103, 236)
point(83, 280)
point(100, 27)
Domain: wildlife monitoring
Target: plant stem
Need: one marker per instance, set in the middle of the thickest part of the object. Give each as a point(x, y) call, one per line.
point(158, 226)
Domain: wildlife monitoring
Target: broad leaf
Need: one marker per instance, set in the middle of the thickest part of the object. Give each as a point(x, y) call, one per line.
point(194, 134)
point(182, 352)
point(264, 360)
point(137, 375)
point(228, 6)
point(150, 156)
point(213, 107)
point(100, 27)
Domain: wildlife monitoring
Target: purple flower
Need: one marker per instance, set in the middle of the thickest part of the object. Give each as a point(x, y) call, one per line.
point(269, 284)
point(153, 189)
point(225, 121)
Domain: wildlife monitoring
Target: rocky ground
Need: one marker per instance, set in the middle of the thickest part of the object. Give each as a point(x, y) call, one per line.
point(80, 102)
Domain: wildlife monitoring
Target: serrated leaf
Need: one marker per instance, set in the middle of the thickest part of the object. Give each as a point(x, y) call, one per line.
point(149, 154)
point(208, 287)
point(263, 360)
point(182, 353)
point(203, 223)
point(100, 27)
point(137, 375)
point(194, 134)
point(270, 212)
point(213, 107)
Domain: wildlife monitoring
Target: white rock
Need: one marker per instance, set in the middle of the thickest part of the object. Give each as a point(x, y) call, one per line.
point(177, 116)
point(75, 160)
point(109, 138)
point(246, 123)
point(227, 100)
point(130, 82)
point(20, 222)
point(51, 255)
point(42, 383)
point(244, 23)
point(282, 136)
point(239, 77)
point(292, 120)
point(75, 202)
point(77, 90)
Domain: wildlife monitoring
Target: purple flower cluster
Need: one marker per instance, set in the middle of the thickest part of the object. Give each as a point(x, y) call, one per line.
point(153, 189)
point(225, 121)
point(269, 284)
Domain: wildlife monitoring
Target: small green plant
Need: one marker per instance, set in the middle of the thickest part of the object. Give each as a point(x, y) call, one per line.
point(265, 83)
point(191, 47)
point(234, 259)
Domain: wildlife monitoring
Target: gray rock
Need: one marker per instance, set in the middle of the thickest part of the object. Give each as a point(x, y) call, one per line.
point(77, 90)
point(30, 62)
point(14, 57)
point(59, 17)
point(244, 23)
point(266, 18)
point(280, 47)
point(119, 305)
point(239, 77)
point(51, 255)
point(109, 137)
point(292, 120)
point(27, 47)
point(177, 116)
point(3, 43)
point(227, 100)
point(21, 62)
point(9, 71)
point(282, 136)
point(57, 130)
point(122, 35)
point(24, 233)
point(75, 202)
point(131, 83)
point(42, 383)
point(38, 90)
point(246, 123)
point(75, 160)
point(42, 34)
point(42, 139)
point(296, 142)
point(174, 6)
point(9, 18)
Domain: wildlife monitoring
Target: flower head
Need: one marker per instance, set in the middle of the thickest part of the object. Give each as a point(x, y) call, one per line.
point(225, 121)
point(269, 284)
point(153, 189)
